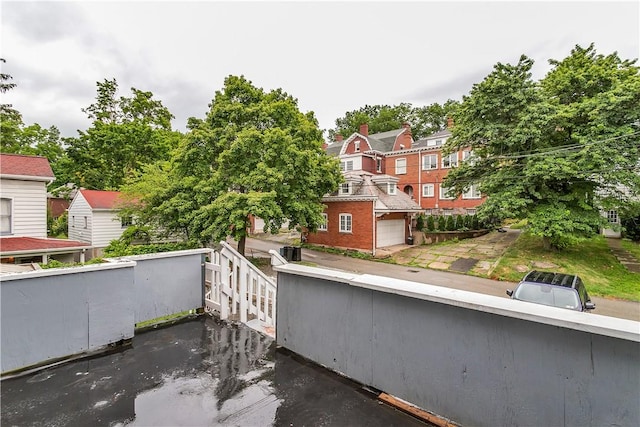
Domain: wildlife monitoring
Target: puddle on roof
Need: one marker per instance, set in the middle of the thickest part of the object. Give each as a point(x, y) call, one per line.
point(194, 401)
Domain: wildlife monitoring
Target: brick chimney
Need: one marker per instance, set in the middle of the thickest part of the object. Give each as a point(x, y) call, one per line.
point(339, 137)
point(449, 122)
point(406, 138)
point(364, 129)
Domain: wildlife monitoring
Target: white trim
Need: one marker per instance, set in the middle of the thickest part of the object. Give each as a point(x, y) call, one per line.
point(433, 190)
point(28, 178)
point(405, 166)
point(350, 221)
point(11, 216)
point(324, 226)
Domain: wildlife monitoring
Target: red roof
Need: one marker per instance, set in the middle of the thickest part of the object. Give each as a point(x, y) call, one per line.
point(99, 199)
point(14, 244)
point(18, 164)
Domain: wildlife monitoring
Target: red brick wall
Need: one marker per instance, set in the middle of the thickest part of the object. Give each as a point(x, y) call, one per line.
point(360, 238)
point(351, 146)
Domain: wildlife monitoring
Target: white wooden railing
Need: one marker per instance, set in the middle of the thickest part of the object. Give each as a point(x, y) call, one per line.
point(238, 290)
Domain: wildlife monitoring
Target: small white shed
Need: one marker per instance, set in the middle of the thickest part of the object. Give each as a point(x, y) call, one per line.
point(93, 217)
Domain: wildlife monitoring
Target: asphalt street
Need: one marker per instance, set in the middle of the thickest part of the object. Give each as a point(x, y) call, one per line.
point(604, 306)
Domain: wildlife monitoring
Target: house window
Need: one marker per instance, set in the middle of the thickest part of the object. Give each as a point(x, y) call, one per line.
point(379, 165)
point(347, 165)
point(391, 188)
point(450, 161)
point(323, 225)
point(401, 166)
point(126, 221)
point(86, 221)
point(443, 193)
point(472, 193)
point(428, 212)
point(356, 145)
point(430, 161)
point(345, 188)
point(427, 190)
point(345, 223)
point(612, 217)
point(5, 216)
point(471, 211)
point(438, 142)
point(447, 212)
point(466, 155)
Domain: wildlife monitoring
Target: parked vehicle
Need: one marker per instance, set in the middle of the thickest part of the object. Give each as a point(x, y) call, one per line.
point(554, 289)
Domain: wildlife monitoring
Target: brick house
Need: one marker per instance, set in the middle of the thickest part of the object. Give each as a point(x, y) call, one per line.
point(366, 213)
point(417, 169)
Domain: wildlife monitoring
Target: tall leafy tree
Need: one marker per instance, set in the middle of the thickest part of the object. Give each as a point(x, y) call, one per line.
point(10, 118)
point(126, 134)
point(555, 151)
point(255, 154)
point(381, 118)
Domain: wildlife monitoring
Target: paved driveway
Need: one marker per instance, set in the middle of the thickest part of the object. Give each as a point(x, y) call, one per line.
point(440, 277)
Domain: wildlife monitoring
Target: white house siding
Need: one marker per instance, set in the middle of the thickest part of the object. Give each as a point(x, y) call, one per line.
point(29, 206)
point(78, 210)
point(106, 227)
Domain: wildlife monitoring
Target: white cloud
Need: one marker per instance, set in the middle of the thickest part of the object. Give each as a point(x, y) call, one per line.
point(333, 57)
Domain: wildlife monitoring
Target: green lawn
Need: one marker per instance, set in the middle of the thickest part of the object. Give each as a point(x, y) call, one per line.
point(591, 260)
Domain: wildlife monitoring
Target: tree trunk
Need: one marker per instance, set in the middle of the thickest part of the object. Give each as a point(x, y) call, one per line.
point(241, 244)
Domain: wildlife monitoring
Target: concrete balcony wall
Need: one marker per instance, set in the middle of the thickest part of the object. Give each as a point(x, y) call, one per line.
point(52, 314)
point(475, 359)
point(168, 283)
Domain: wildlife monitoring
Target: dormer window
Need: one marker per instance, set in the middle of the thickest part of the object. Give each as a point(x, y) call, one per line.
point(438, 142)
point(378, 165)
point(391, 188)
point(345, 188)
point(356, 145)
point(347, 165)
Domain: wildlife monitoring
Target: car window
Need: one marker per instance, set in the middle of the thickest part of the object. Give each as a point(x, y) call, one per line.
point(548, 295)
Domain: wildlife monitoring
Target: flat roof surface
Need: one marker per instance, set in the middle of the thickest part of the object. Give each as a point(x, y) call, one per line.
point(198, 373)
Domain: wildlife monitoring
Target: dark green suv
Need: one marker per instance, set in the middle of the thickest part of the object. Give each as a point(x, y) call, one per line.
point(554, 289)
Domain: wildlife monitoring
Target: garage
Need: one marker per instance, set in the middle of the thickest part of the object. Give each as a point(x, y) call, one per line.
point(390, 232)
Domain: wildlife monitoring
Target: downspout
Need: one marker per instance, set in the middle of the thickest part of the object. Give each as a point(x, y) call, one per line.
point(375, 221)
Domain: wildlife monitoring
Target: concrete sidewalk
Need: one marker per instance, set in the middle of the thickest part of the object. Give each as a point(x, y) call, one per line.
point(624, 256)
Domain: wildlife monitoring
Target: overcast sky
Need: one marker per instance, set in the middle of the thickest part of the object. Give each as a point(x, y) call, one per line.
point(333, 57)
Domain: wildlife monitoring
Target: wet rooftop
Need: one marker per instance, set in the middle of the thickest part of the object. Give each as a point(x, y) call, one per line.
point(198, 373)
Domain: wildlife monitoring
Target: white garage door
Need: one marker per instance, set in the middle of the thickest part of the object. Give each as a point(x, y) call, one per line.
point(390, 232)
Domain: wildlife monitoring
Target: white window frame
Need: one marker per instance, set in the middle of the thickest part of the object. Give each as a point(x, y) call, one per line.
point(8, 203)
point(346, 165)
point(431, 165)
point(443, 191)
point(447, 162)
point(324, 225)
point(391, 189)
point(86, 222)
point(401, 169)
point(378, 165)
point(356, 145)
point(428, 190)
point(126, 222)
point(346, 223)
point(471, 212)
point(447, 212)
point(345, 188)
point(612, 217)
point(466, 155)
point(472, 193)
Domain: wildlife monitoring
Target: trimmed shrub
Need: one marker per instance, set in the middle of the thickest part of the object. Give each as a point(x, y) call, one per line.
point(450, 224)
point(442, 223)
point(431, 226)
point(420, 222)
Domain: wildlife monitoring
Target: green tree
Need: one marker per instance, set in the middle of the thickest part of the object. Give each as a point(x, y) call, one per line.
point(381, 118)
point(126, 134)
point(556, 151)
point(255, 154)
point(442, 223)
point(420, 222)
point(10, 118)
